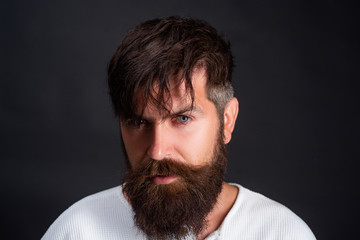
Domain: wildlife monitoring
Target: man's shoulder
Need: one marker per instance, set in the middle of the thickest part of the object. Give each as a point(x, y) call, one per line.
point(100, 201)
point(102, 197)
point(100, 214)
point(256, 213)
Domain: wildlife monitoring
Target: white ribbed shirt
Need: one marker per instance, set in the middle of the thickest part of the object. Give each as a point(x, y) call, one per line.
point(107, 215)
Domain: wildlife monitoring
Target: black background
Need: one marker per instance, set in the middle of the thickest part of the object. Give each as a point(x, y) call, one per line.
point(296, 74)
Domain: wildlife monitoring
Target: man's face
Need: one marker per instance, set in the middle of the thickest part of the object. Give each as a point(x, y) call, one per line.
point(177, 162)
point(186, 135)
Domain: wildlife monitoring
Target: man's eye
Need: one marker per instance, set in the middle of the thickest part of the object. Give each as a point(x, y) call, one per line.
point(140, 121)
point(183, 119)
point(136, 122)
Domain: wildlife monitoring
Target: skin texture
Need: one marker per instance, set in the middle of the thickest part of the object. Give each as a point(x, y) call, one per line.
point(185, 135)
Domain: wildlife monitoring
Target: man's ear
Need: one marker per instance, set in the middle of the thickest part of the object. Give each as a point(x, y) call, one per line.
point(230, 114)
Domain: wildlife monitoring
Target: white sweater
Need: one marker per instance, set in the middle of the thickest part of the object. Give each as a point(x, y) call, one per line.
point(107, 215)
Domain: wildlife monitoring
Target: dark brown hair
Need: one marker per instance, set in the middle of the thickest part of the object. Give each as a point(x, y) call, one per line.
point(158, 50)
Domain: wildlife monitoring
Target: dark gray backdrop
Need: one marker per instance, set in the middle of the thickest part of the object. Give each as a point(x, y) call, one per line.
point(295, 78)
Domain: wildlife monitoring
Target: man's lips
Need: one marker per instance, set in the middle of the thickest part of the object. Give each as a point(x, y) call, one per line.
point(159, 179)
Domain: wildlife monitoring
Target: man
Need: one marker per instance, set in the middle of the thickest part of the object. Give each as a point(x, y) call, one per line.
point(170, 85)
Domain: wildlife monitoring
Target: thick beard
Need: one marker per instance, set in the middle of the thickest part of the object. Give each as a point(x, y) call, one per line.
point(173, 210)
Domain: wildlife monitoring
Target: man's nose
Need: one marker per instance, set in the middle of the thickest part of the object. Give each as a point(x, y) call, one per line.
point(160, 142)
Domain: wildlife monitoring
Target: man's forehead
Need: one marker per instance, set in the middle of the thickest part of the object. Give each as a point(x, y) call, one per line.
point(175, 103)
point(177, 96)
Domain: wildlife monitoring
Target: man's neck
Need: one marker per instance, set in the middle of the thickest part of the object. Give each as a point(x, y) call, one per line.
point(225, 201)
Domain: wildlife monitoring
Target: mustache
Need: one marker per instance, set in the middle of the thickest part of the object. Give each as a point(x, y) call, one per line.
point(165, 167)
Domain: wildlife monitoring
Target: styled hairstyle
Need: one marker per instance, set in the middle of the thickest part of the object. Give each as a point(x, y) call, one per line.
point(159, 50)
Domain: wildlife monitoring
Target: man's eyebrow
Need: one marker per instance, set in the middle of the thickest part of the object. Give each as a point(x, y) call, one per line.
point(180, 111)
point(192, 109)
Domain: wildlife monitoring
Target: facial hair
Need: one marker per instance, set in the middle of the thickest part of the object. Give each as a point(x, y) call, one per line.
point(172, 211)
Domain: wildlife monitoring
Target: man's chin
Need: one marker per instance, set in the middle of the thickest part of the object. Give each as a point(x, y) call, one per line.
point(170, 200)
